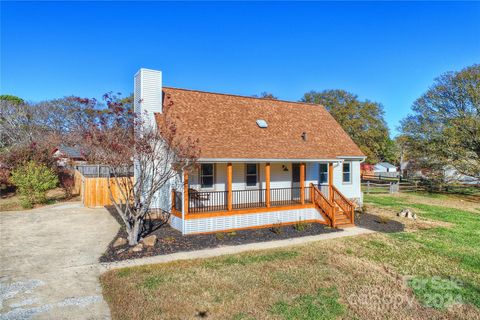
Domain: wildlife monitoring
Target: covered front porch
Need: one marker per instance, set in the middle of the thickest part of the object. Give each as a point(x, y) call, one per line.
point(232, 187)
point(231, 196)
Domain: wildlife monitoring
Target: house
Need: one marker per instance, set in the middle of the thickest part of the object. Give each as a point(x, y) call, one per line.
point(453, 176)
point(65, 155)
point(384, 167)
point(262, 163)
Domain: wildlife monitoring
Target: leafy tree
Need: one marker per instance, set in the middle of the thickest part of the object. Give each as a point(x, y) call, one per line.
point(444, 129)
point(12, 99)
point(265, 95)
point(33, 181)
point(362, 120)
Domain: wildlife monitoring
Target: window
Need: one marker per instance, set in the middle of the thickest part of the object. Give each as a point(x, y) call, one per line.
point(206, 176)
point(323, 173)
point(251, 175)
point(347, 174)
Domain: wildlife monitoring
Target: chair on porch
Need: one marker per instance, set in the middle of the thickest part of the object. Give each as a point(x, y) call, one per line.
point(195, 195)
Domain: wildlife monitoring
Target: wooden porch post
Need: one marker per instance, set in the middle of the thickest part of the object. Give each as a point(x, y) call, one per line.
point(330, 181)
point(173, 199)
point(302, 183)
point(185, 192)
point(229, 187)
point(267, 184)
point(312, 193)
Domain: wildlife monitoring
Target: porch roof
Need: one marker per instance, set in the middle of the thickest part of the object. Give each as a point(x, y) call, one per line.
point(227, 129)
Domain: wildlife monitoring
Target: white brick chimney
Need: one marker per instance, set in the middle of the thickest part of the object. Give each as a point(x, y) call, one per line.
point(147, 95)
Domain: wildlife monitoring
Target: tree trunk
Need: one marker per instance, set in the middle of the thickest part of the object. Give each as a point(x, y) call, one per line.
point(134, 232)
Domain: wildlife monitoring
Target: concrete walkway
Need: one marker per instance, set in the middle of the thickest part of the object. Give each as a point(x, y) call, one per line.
point(208, 253)
point(49, 262)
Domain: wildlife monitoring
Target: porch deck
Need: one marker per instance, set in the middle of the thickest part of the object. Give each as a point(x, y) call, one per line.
point(197, 210)
point(217, 201)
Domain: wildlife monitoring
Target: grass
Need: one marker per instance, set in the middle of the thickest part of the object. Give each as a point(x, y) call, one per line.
point(420, 273)
point(12, 202)
point(250, 259)
point(322, 305)
point(456, 248)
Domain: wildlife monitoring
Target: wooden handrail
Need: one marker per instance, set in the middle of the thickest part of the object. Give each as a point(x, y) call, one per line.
point(345, 204)
point(324, 204)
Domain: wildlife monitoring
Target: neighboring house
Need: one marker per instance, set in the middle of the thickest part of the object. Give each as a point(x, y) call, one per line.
point(384, 167)
point(65, 156)
point(262, 163)
point(451, 175)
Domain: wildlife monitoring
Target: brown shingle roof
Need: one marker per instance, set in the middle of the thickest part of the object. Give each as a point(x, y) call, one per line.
point(226, 127)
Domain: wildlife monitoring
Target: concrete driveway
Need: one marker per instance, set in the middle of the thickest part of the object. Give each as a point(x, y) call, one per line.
point(49, 262)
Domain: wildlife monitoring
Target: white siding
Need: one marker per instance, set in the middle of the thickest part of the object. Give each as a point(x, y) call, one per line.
point(278, 177)
point(176, 223)
point(239, 221)
point(312, 175)
point(349, 189)
point(148, 92)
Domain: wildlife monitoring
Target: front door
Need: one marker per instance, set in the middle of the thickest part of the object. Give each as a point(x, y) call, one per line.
point(295, 181)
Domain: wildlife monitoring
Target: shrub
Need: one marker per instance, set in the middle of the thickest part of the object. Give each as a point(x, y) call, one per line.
point(4, 179)
point(301, 225)
point(33, 180)
point(276, 228)
point(67, 182)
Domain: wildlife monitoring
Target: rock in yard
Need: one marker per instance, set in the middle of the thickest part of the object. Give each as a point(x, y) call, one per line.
point(137, 248)
point(150, 240)
point(407, 213)
point(120, 242)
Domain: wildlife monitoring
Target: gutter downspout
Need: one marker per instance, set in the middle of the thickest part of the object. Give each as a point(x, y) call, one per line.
point(183, 205)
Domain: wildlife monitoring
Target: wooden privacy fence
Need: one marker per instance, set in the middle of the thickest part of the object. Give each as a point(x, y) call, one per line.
point(94, 190)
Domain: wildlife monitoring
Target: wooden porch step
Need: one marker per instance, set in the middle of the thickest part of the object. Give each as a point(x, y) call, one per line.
point(346, 225)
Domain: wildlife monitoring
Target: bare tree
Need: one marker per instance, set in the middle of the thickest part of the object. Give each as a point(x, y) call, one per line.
point(122, 140)
point(22, 138)
point(30, 131)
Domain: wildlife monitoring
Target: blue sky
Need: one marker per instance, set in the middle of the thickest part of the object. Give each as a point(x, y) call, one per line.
point(382, 51)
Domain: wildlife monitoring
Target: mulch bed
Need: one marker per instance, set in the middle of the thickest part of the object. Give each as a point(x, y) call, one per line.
point(170, 240)
point(377, 223)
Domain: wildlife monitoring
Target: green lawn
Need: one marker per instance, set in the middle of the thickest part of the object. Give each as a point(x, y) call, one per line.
point(432, 270)
point(456, 248)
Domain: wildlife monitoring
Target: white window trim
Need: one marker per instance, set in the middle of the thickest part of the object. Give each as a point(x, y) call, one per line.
point(256, 186)
point(350, 171)
point(320, 173)
point(200, 178)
